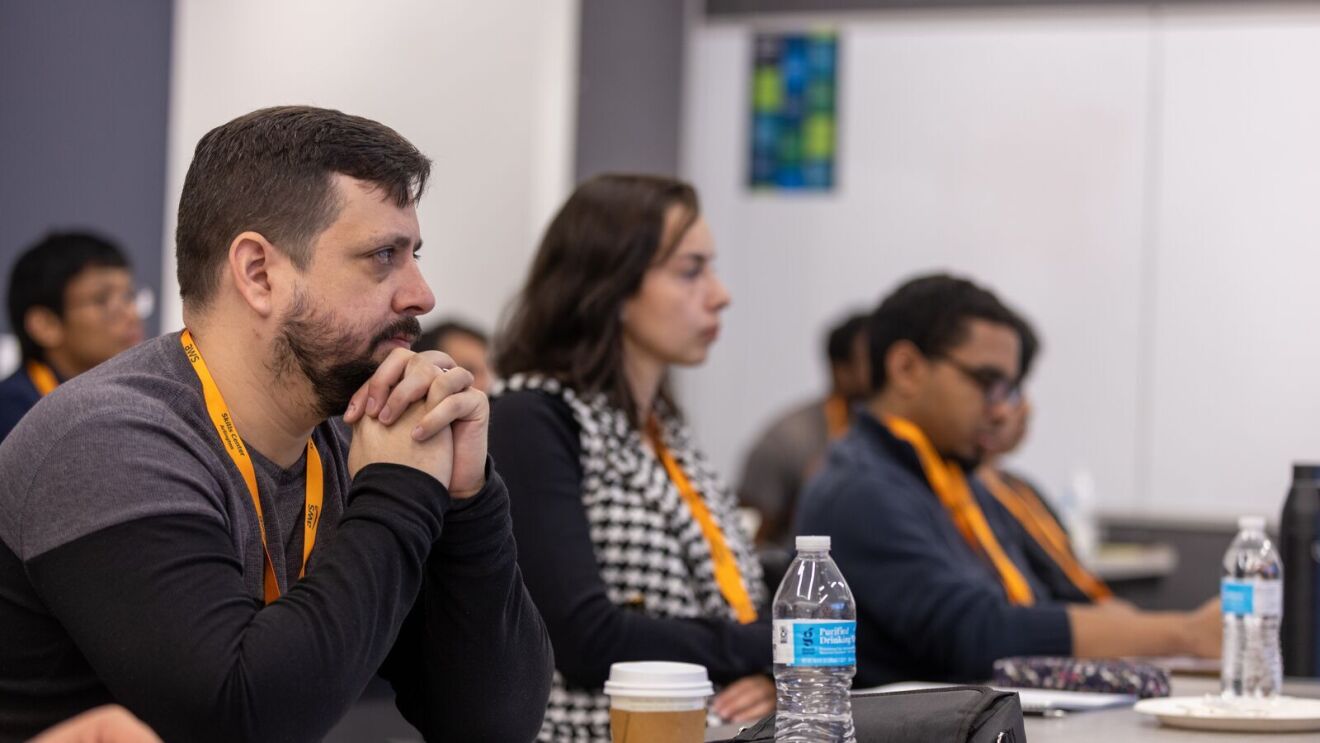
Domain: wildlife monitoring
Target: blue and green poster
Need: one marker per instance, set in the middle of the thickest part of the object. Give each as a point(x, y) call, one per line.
point(794, 96)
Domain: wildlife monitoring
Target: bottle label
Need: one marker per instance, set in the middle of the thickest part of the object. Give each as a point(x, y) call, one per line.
point(1253, 598)
point(815, 642)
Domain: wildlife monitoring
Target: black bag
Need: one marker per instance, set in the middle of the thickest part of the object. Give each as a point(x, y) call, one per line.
point(952, 714)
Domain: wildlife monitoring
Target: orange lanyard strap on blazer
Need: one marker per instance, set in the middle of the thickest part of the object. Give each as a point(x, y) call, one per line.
point(43, 378)
point(836, 416)
point(224, 427)
point(1027, 508)
point(727, 575)
point(950, 485)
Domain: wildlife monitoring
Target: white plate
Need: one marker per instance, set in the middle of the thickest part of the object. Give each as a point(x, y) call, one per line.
point(1282, 715)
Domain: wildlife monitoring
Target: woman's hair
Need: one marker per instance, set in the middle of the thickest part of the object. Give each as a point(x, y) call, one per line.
point(566, 322)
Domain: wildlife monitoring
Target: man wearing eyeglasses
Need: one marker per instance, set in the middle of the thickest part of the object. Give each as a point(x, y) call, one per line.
point(939, 570)
point(72, 305)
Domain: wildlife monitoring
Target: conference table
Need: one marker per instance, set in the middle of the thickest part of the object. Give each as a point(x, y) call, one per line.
point(1123, 725)
point(376, 719)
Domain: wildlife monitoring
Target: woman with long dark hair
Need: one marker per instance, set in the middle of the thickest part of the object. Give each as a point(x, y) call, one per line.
point(628, 542)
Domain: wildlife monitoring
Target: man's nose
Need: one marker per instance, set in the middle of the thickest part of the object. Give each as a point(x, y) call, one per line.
point(414, 297)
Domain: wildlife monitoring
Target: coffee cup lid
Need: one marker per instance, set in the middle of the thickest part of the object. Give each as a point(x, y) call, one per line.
point(658, 678)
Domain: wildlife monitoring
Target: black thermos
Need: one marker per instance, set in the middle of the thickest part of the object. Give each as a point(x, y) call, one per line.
point(1299, 541)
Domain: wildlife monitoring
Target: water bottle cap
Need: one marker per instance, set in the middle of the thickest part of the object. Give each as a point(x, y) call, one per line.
point(813, 544)
point(1254, 523)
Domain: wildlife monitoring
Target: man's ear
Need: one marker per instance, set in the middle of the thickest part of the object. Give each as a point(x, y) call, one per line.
point(44, 327)
point(906, 368)
point(251, 259)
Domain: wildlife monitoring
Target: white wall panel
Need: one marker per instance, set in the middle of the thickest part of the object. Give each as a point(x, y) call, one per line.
point(1235, 392)
point(484, 89)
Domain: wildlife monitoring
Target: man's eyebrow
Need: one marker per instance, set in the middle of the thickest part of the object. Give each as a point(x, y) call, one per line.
point(397, 240)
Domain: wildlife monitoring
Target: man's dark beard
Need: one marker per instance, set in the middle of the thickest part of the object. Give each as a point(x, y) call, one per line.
point(968, 464)
point(328, 354)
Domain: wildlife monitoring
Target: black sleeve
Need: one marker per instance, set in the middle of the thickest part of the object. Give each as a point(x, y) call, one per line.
point(473, 661)
point(535, 442)
point(159, 609)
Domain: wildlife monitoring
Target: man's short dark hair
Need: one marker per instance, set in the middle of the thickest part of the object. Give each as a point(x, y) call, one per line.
point(270, 172)
point(432, 338)
point(41, 275)
point(839, 342)
point(930, 312)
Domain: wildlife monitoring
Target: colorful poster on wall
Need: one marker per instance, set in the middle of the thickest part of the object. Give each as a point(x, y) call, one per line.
point(794, 102)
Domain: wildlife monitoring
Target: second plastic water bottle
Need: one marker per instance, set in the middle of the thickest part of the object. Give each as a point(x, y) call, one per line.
point(1251, 598)
point(815, 652)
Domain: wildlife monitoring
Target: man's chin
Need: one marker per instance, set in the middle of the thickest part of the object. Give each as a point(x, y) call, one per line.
point(970, 460)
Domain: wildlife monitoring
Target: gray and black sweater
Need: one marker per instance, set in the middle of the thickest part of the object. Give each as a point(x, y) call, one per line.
point(131, 571)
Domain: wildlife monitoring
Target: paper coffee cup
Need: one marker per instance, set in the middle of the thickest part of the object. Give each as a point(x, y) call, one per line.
point(658, 702)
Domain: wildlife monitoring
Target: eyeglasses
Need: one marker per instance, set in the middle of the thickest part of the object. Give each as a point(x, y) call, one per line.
point(109, 303)
point(996, 387)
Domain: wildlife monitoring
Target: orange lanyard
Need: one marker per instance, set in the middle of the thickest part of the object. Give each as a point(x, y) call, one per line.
point(836, 416)
point(224, 426)
point(43, 378)
point(727, 575)
point(950, 486)
point(1026, 507)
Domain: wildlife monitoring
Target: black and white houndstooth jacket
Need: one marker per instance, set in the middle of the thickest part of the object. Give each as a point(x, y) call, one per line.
point(650, 550)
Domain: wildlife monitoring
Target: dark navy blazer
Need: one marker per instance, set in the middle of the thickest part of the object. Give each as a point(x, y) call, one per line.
point(17, 396)
point(929, 607)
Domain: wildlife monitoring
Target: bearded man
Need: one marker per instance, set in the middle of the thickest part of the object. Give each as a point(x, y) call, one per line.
point(183, 531)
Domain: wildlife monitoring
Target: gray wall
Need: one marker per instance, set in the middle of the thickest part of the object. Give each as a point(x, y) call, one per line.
point(630, 86)
point(83, 109)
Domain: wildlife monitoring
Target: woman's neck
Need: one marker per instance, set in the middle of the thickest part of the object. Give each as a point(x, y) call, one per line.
point(643, 373)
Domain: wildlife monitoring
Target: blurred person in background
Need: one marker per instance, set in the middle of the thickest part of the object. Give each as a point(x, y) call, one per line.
point(941, 576)
point(629, 544)
point(793, 447)
point(467, 346)
point(72, 305)
point(1048, 547)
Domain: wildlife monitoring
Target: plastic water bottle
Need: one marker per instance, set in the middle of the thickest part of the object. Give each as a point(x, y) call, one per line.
point(1251, 598)
point(815, 648)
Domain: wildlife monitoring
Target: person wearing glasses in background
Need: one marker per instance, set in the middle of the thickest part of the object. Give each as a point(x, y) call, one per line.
point(629, 544)
point(72, 305)
point(940, 573)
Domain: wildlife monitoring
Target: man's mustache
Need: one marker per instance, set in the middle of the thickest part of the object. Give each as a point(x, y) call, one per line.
point(405, 327)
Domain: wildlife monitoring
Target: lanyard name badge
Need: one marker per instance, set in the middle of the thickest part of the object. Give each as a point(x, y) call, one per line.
point(727, 575)
point(950, 486)
point(224, 428)
point(43, 377)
